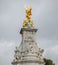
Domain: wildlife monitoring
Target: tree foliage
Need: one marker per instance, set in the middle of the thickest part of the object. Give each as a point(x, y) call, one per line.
point(48, 62)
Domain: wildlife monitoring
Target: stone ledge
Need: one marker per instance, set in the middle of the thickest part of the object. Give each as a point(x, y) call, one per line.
point(28, 61)
point(27, 29)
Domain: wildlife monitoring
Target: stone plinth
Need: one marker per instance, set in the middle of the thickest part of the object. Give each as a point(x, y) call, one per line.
point(28, 52)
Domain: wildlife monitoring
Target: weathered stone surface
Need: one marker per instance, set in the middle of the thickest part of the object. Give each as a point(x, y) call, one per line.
point(28, 52)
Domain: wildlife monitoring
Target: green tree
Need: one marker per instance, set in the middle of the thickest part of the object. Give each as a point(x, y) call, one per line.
point(48, 62)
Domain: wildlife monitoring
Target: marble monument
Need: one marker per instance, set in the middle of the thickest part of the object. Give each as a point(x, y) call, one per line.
point(28, 53)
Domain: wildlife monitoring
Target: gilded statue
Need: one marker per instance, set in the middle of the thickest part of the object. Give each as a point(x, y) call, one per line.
point(28, 18)
point(28, 12)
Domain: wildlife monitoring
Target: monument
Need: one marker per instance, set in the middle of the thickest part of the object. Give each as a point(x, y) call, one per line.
point(28, 52)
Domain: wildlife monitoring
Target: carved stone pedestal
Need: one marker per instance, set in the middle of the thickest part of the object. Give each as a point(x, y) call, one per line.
point(28, 52)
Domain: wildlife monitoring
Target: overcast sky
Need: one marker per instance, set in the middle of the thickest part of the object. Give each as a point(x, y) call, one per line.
point(45, 17)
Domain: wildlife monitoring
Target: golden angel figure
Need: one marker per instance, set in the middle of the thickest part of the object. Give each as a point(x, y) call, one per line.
point(28, 16)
